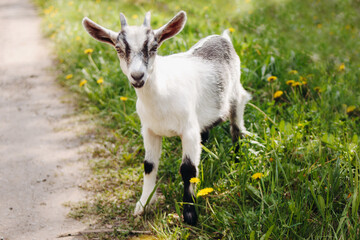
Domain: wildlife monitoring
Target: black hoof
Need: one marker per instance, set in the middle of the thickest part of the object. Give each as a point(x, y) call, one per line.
point(190, 216)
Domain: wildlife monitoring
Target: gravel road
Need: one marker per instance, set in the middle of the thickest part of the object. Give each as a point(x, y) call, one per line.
point(40, 168)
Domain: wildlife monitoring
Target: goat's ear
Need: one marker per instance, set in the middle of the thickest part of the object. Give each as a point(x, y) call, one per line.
point(173, 27)
point(99, 33)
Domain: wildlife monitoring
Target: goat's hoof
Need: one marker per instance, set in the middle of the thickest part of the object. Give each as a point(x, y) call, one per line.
point(139, 209)
point(190, 216)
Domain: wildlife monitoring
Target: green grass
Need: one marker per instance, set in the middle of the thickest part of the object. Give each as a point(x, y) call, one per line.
point(307, 143)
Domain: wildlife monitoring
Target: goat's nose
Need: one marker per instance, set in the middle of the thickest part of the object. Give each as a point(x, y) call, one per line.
point(137, 76)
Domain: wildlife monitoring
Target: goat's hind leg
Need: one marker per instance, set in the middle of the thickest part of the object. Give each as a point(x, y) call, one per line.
point(237, 109)
point(152, 145)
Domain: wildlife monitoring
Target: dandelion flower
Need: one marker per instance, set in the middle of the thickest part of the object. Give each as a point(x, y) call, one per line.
point(342, 67)
point(350, 109)
point(231, 30)
point(271, 78)
point(194, 180)
point(290, 82)
point(88, 51)
point(82, 82)
point(293, 72)
point(295, 84)
point(257, 176)
point(278, 94)
point(204, 192)
point(100, 80)
point(123, 98)
point(69, 76)
point(318, 89)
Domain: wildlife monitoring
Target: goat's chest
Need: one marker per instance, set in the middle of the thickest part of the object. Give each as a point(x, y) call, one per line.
point(164, 119)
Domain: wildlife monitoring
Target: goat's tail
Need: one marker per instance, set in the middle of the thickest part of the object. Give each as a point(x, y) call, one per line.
point(226, 35)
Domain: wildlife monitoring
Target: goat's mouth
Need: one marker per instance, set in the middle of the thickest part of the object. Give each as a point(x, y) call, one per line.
point(138, 84)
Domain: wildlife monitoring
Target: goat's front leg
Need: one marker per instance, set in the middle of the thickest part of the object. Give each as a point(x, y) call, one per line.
point(152, 145)
point(189, 169)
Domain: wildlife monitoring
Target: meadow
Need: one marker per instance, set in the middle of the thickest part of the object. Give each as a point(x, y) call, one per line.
point(296, 178)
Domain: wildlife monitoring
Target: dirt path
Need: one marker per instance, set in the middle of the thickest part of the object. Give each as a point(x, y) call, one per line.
point(39, 139)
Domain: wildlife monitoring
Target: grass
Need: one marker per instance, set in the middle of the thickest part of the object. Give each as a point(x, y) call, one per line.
point(306, 144)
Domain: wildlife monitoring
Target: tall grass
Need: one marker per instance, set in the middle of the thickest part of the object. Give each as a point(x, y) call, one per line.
point(306, 144)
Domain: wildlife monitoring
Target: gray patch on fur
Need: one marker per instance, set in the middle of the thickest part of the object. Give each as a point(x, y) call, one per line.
point(216, 48)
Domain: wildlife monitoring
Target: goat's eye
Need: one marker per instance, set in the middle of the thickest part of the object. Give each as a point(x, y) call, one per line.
point(119, 50)
point(154, 48)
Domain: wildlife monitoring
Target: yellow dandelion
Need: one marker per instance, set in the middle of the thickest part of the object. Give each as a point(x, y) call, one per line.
point(69, 76)
point(342, 67)
point(100, 80)
point(302, 78)
point(204, 192)
point(48, 10)
point(257, 176)
point(194, 180)
point(134, 16)
point(271, 78)
point(231, 30)
point(88, 51)
point(123, 98)
point(296, 84)
point(304, 82)
point(350, 109)
point(290, 82)
point(293, 72)
point(318, 89)
point(82, 82)
point(278, 94)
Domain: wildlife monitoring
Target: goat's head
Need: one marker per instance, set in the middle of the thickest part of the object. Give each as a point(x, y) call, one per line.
point(136, 45)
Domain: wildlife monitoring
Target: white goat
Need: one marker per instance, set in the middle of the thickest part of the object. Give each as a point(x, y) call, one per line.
point(182, 95)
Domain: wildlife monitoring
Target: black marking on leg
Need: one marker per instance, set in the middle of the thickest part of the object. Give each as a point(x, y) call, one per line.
point(205, 136)
point(188, 171)
point(148, 167)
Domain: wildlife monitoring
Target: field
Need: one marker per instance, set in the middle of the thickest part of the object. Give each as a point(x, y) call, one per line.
point(296, 178)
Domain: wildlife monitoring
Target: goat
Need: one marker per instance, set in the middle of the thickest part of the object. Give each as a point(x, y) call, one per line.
point(183, 94)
